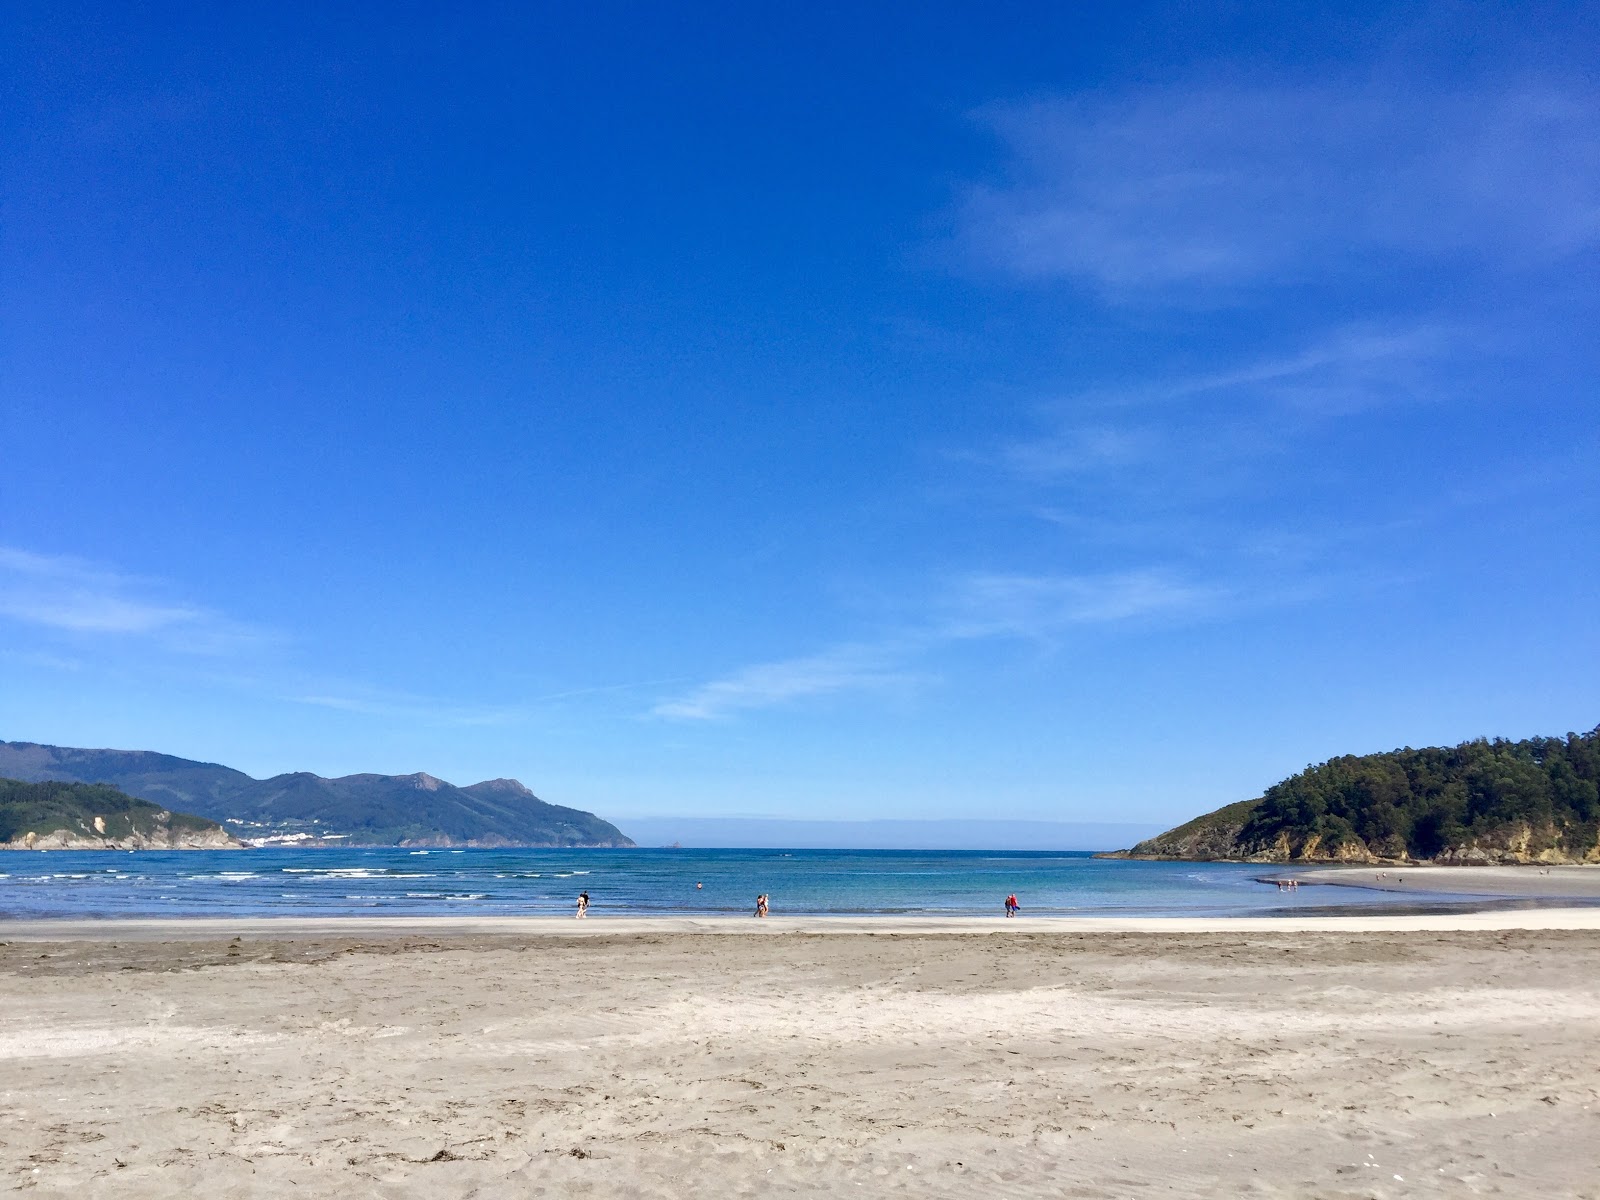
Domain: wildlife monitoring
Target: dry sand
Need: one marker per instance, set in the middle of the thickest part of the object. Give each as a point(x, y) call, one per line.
point(851, 1058)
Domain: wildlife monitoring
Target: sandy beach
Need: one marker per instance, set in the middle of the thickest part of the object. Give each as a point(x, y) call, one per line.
point(1031, 1058)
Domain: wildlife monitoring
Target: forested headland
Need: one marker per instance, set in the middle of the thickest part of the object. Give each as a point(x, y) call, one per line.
point(1483, 801)
point(95, 816)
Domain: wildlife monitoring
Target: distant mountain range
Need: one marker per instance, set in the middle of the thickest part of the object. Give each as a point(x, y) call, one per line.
point(362, 810)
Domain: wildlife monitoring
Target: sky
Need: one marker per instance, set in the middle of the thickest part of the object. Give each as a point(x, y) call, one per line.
point(1050, 412)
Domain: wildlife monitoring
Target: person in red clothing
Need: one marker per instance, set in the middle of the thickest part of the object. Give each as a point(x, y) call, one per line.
point(1012, 905)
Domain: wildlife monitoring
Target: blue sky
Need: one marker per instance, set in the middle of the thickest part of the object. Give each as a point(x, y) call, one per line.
point(928, 411)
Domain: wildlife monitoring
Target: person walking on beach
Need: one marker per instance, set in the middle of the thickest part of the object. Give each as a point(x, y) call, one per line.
point(761, 905)
point(583, 905)
point(1012, 905)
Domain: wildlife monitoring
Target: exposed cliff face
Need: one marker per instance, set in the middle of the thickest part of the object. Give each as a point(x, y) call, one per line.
point(1219, 841)
point(1521, 843)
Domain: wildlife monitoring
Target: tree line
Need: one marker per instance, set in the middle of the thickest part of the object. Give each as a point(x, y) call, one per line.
point(42, 807)
point(1424, 803)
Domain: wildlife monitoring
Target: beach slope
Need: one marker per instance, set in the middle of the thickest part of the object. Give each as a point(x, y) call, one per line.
point(394, 1060)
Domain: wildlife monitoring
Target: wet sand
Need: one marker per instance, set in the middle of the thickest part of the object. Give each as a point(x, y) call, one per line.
point(1523, 882)
point(1023, 1058)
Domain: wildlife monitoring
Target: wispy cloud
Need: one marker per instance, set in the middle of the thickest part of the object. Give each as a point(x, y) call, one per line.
point(846, 668)
point(366, 700)
point(977, 607)
point(1346, 370)
point(1137, 435)
point(68, 593)
point(42, 658)
point(369, 702)
point(76, 604)
point(1043, 607)
point(1078, 450)
point(1233, 185)
point(78, 597)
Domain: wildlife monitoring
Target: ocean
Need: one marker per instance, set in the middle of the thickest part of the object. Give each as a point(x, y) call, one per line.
point(641, 882)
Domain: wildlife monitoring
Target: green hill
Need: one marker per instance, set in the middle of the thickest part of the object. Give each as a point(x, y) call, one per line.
point(82, 816)
point(367, 810)
point(1482, 801)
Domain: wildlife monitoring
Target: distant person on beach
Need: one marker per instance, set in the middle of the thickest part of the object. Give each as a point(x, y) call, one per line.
point(1011, 905)
point(761, 905)
point(583, 905)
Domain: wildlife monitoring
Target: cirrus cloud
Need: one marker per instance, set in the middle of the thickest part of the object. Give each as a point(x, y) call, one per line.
point(978, 607)
point(1156, 191)
point(73, 596)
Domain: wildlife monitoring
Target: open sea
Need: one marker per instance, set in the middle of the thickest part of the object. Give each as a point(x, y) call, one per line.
point(644, 882)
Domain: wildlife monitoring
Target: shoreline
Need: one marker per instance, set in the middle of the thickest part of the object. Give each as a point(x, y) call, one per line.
point(1387, 898)
point(147, 929)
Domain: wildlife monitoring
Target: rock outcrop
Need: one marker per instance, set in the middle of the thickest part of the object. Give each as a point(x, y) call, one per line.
point(66, 839)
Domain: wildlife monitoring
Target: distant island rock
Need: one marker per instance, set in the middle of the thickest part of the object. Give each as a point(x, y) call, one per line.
point(1533, 801)
point(95, 816)
point(305, 809)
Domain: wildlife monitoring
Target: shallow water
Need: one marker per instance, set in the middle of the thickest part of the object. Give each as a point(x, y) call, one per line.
point(640, 882)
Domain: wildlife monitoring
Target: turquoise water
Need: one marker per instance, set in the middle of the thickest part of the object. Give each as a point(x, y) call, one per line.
point(655, 882)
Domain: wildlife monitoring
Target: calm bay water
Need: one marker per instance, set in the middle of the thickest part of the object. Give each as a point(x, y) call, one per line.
point(290, 882)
